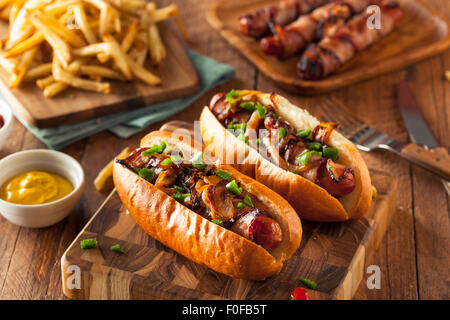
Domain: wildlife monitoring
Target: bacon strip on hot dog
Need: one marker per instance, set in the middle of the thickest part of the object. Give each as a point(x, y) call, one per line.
point(257, 23)
point(324, 58)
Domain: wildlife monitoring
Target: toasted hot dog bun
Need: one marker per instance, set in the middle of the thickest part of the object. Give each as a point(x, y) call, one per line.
point(311, 201)
point(197, 238)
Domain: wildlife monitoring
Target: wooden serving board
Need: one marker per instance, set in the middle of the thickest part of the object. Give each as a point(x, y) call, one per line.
point(179, 79)
point(423, 32)
point(335, 255)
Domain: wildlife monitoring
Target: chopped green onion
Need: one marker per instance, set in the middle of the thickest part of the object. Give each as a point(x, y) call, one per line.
point(155, 148)
point(175, 158)
point(281, 133)
point(178, 188)
point(242, 137)
point(150, 151)
point(219, 222)
point(162, 146)
point(240, 205)
point(331, 153)
point(303, 133)
point(258, 141)
point(261, 110)
point(248, 201)
point(166, 162)
point(237, 127)
point(147, 174)
point(309, 283)
point(248, 106)
point(232, 97)
point(180, 196)
point(234, 188)
point(197, 161)
point(231, 124)
point(116, 248)
point(303, 158)
point(225, 175)
point(314, 146)
point(88, 243)
point(240, 126)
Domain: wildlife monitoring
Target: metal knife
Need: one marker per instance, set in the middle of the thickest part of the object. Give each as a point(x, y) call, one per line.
point(418, 130)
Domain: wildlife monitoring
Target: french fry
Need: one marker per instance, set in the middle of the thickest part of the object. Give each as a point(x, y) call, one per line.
point(44, 82)
point(38, 71)
point(5, 13)
point(66, 34)
point(9, 64)
point(89, 41)
point(60, 6)
point(143, 73)
point(119, 56)
point(81, 20)
point(15, 8)
point(163, 13)
point(99, 71)
point(5, 3)
point(155, 44)
point(24, 64)
point(129, 37)
point(68, 78)
point(180, 25)
point(19, 30)
point(56, 87)
point(25, 45)
point(106, 173)
point(60, 47)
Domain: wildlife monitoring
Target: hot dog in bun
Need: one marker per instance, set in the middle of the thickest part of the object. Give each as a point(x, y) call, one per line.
point(211, 214)
point(309, 163)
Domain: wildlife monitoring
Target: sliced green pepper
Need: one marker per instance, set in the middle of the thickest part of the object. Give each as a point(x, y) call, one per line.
point(303, 133)
point(234, 188)
point(331, 153)
point(225, 175)
point(248, 201)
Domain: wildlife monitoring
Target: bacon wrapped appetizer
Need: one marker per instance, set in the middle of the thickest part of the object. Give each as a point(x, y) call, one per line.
point(211, 214)
point(321, 22)
point(257, 23)
point(308, 163)
point(324, 58)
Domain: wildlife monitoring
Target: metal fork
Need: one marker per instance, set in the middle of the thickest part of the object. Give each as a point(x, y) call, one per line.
point(358, 132)
point(364, 137)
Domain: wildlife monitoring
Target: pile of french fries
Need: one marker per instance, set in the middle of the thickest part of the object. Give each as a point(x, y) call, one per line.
point(79, 43)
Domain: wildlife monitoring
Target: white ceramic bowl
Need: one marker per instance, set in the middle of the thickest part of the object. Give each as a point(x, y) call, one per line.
point(41, 215)
point(6, 113)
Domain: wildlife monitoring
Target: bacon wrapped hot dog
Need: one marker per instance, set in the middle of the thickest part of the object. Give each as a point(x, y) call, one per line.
point(211, 214)
point(324, 58)
point(321, 22)
point(316, 169)
point(257, 23)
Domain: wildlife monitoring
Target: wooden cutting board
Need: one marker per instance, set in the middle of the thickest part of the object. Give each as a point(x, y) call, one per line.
point(179, 79)
point(335, 255)
point(423, 32)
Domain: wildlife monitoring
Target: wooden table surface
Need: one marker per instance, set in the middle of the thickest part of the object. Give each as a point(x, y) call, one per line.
point(413, 256)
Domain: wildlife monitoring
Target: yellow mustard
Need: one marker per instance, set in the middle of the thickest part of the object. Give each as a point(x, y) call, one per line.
point(35, 187)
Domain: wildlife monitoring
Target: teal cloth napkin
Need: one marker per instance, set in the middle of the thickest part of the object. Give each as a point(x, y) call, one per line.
point(124, 124)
